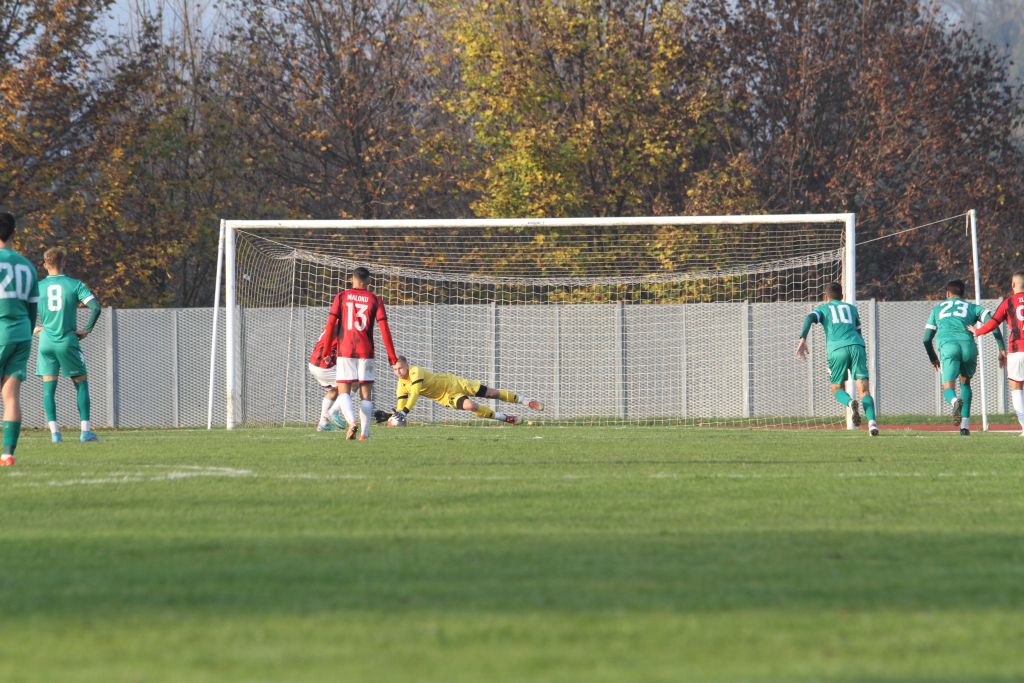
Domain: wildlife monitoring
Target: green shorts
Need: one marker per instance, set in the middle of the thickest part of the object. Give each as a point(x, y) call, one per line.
point(958, 358)
point(14, 359)
point(53, 360)
point(846, 359)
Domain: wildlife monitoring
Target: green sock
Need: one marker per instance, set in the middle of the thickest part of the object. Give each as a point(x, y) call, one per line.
point(843, 397)
point(50, 400)
point(11, 432)
point(82, 389)
point(949, 395)
point(869, 406)
point(966, 394)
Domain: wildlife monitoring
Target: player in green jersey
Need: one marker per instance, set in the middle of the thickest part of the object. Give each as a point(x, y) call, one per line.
point(958, 352)
point(59, 349)
point(845, 347)
point(18, 298)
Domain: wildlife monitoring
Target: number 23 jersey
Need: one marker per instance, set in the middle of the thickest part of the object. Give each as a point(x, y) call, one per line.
point(951, 318)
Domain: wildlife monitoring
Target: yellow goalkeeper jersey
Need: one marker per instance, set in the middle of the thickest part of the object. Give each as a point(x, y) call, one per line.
point(443, 388)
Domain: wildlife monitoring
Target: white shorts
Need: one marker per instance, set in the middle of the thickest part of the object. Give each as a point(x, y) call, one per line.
point(325, 376)
point(1015, 366)
point(356, 370)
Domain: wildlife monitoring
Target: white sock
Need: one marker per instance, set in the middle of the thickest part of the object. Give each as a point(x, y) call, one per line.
point(54, 427)
point(965, 423)
point(500, 416)
point(872, 424)
point(953, 400)
point(325, 409)
point(1017, 397)
point(344, 404)
point(86, 426)
point(365, 417)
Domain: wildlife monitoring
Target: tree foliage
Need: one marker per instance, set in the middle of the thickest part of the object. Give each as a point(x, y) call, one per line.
point(129, 148)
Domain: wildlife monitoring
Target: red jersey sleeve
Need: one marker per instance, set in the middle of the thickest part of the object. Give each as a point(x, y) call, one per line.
point(998, 317)
point(325, 352)
point(385, 332)
point(333, 321)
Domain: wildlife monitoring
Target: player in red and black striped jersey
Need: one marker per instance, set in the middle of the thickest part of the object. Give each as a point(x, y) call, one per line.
point(321, 367)
point(353, 315)
point(1011, 311)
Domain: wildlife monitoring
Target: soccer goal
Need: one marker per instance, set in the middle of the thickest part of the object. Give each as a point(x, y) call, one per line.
point(682, 320)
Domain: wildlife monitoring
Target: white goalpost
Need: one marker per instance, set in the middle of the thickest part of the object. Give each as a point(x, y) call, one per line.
point(679, 320)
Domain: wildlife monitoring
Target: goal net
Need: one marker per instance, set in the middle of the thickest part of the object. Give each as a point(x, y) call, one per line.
point(675, 321)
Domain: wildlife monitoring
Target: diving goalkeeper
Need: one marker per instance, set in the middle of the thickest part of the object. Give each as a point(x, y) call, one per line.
point(450, 391)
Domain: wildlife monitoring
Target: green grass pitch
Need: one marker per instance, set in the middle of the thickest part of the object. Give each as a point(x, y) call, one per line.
point(454, 554)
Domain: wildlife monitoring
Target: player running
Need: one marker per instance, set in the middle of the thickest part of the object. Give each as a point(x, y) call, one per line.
point(1011, 311)
point(450, 391)
point(59, 349)
point(845, 347)
point(352, 316)
point(958, 352)
point(19, 298)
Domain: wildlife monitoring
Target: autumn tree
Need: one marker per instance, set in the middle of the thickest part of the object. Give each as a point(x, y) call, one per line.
point(330, 93)
point(588, 107)
point(880, 109)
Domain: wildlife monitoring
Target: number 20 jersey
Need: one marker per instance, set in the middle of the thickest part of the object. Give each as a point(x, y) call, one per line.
point(18, 289)
point(357, 310)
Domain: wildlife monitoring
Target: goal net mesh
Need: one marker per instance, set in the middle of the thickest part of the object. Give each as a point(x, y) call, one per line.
point(675, 325)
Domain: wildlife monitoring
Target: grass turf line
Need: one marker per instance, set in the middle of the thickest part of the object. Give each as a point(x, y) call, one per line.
point(563, 554)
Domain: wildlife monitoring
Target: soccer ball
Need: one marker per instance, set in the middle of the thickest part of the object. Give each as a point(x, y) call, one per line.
point(397, 420)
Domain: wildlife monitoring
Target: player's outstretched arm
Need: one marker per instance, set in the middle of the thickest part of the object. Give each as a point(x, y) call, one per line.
point(801, 347)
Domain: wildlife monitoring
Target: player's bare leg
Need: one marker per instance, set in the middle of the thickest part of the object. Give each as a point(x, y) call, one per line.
point(11, 392)
point(365, 409)
point(469, 405)
point(343, 404)
point(510, 397)
point(864, 391)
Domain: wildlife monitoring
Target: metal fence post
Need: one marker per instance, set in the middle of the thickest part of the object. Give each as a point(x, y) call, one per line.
point(492, 378)
point(620, 358)
point(873, 351)
point(558, 361)
point(812, 364)
point(748, 355)
point(684, 389)
point(175, 373)
point(113, 375)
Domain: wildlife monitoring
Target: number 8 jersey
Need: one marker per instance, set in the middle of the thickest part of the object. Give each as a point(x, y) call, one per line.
point(356, 311)
point(58, 311)
point(18, 293)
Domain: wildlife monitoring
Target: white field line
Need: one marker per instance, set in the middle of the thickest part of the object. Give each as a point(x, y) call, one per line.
point(182, 472)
